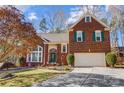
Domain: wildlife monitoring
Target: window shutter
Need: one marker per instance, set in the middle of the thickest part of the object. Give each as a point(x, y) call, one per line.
point(83, 36)
point(94, 36)
point(75, 36)
point(102, 35)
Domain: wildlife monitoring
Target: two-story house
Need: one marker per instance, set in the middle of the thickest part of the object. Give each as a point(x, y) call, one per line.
point(88, 39)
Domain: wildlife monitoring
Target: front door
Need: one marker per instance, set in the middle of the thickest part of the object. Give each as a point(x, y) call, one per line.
point(52, 58)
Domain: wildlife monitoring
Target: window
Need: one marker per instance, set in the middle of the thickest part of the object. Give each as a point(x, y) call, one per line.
point(40, 49)
point(29, 57)
point(40, 57)
point(35, 49)
point(36, 55)
point(87, 19)
point(98, 36)
point(64, 48)
point(79, 36)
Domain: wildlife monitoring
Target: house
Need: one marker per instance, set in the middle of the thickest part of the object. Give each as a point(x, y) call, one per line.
point(88, 39)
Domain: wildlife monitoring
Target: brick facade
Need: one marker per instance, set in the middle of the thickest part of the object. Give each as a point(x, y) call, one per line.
point(61, 57)
point(46, 54)
point(89, 45)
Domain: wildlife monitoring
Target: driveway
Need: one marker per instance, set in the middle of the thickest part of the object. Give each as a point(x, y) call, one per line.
point(88, 77)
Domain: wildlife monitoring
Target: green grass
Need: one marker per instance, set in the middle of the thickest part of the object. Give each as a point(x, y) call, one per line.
point(37, 71)
point(28, 78)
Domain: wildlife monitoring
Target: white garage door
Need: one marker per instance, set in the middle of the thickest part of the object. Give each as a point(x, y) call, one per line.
point(90, 59)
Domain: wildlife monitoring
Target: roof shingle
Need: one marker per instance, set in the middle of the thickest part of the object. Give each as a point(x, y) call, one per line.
point(55, 37)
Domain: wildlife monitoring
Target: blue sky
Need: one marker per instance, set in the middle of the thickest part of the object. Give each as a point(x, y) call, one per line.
point(34, 13)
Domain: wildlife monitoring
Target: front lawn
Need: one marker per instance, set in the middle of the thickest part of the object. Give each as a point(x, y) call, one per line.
point(28, 78)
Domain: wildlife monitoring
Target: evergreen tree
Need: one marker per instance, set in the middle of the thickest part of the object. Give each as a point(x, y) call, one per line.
point(43, 25)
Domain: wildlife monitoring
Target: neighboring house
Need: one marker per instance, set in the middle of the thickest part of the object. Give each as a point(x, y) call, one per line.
point(88, 39)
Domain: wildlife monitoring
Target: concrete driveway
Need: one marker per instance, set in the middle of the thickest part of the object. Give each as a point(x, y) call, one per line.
point(88, 77)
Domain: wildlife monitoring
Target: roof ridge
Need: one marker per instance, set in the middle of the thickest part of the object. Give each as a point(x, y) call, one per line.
point(92, 15)
point(52, 33)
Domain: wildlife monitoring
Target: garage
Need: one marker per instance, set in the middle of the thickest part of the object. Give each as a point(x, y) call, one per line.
point(90, 59)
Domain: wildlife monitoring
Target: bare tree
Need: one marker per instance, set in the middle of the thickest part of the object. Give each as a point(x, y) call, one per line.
point(118, 15)
point(122, 32)
point(92, 9)
point(55, 21)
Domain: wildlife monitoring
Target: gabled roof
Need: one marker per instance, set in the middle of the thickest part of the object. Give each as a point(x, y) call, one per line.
point(55, 37)
point(94, 17)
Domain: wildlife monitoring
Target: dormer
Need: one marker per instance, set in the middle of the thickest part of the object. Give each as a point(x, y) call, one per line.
point(88, 19)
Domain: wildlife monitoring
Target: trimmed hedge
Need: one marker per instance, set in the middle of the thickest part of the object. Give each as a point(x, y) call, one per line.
point(111, 59)
point(70, 59)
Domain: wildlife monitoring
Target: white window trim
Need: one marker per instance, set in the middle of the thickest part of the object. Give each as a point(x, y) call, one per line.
point(86, 19)
point(37, 56)
point(98, 31)
point(78, 36)
point(62, 48)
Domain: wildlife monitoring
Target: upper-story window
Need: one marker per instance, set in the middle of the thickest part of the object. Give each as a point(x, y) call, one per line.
point(88, 19)
point(64, 48)
point(98, 36)
point(79, 36)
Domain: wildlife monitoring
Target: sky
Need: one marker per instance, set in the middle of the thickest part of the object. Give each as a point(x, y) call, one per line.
point(34, 13)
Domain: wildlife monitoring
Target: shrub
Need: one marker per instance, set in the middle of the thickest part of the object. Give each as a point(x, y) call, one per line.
point(70, 59)
point(111, 59)
point(20, 62)
point(7, 65)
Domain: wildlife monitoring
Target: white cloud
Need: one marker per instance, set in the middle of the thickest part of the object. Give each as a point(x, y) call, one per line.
point(32, 16)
